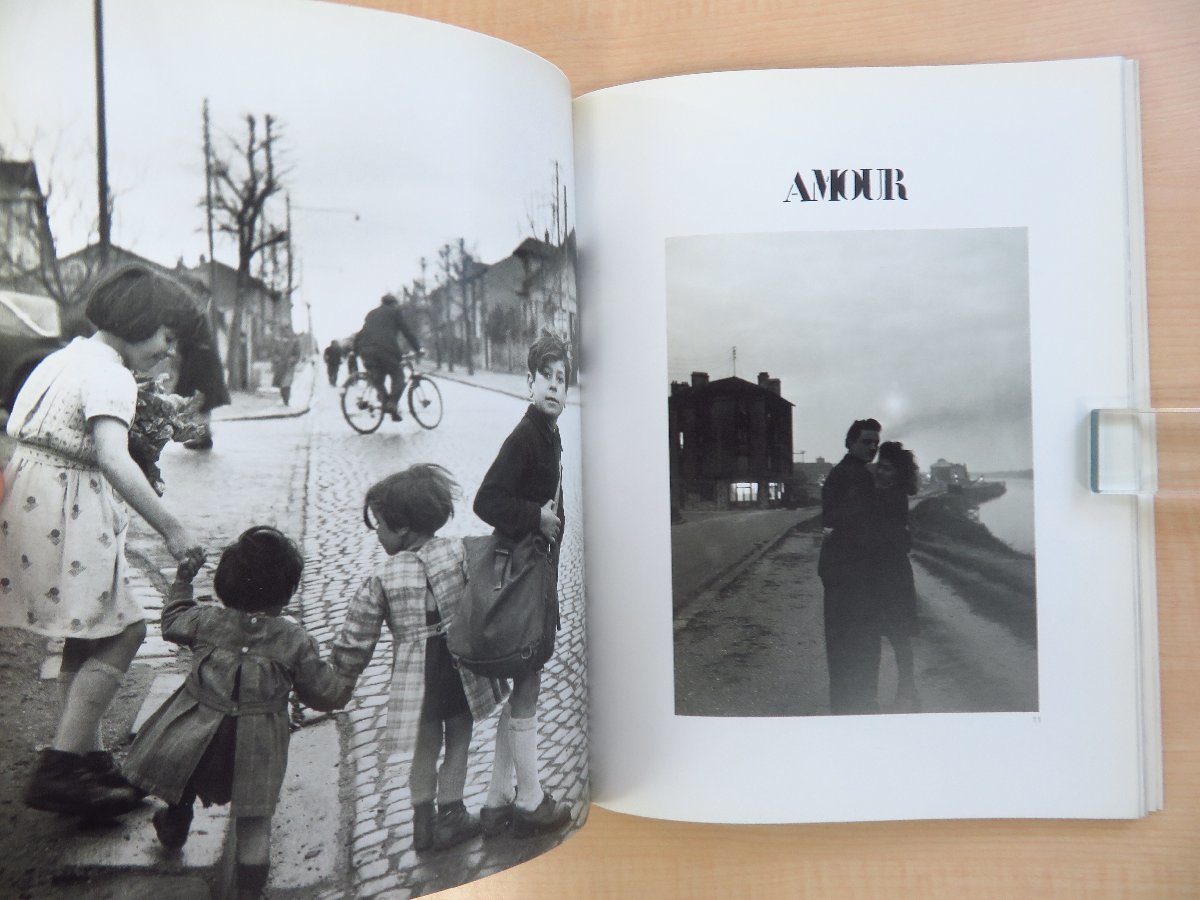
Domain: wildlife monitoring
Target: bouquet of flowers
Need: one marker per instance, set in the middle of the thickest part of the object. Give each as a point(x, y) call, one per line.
point(161, 417)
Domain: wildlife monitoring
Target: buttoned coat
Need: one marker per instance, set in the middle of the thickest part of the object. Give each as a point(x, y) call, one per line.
point(524, 475)
point(244, 665)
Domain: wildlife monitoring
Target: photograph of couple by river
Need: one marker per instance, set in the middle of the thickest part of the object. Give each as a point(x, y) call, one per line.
point(851, 464)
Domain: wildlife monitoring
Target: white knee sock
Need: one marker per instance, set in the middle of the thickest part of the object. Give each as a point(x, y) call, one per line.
point(525, 757)
point(500, 791)
point(91, 692)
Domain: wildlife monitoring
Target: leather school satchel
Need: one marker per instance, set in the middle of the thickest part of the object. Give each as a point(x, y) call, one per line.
point(509, 615)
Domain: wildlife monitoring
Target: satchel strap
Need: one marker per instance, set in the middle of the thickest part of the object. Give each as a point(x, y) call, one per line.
point(558, 498)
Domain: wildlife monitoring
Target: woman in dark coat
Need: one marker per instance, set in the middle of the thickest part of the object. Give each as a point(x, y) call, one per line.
point(200, 370)
point(895, 481)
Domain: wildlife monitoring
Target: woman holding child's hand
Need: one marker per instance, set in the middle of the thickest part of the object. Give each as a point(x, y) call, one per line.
point(63, 523)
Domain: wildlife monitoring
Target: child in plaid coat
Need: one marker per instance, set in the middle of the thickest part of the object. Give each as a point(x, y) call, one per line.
point(417, 591)
point(223, 736)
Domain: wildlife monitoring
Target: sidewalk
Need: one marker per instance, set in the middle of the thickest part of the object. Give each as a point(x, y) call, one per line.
point(720, 545)
point(513, 384)
point(267, 403)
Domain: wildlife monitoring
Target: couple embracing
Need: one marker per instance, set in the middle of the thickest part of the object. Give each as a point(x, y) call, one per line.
point(865, 570)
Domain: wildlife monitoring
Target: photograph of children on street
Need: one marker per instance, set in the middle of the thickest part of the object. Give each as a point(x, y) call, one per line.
point(310, 363)
point(851, 469)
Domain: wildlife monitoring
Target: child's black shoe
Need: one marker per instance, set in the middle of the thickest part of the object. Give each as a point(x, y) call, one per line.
point(101, 762)
point(172, 825)
point(549, 815)
point(496, 820)
point(455, 825)
point(67, 783)
point(252, 880)
point(424, 825)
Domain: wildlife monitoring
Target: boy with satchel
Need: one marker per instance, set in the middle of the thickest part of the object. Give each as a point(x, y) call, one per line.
point(519, 496)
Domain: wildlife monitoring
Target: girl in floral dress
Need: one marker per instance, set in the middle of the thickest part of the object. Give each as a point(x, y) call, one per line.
point(63, 523)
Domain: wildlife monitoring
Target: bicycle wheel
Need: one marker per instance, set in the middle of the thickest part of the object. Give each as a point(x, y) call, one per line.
point(360, 403)
point(425, 401)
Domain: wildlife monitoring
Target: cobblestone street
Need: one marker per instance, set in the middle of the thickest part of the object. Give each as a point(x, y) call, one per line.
point(304, 470)
point(342, 465)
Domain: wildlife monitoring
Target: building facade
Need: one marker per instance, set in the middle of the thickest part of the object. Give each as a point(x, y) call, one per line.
point(730, 444)
point(266, 316)
point(948, 474)
point(27, 257)
point(488, 317)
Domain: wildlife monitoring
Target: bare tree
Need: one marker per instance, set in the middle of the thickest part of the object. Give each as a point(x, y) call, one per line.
point(460, 276)
point(547, 215)
point(243, 183)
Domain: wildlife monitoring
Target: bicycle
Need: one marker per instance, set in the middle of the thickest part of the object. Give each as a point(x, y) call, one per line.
point(364, 410)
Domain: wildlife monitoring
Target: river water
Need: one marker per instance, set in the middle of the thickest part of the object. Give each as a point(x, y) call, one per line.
point(1010, 516)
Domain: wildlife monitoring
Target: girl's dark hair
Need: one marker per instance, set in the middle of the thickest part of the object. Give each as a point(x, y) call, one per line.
point(904, 461)
point(133, 302)
point(547, 349)
point(260, 571)
point(421, 497)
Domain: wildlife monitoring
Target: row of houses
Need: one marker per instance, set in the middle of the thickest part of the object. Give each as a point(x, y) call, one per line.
point(487, 315)
point(29, 264)
point(484, 316)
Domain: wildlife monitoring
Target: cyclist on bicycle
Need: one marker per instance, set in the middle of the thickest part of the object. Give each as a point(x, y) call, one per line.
point(378, 346)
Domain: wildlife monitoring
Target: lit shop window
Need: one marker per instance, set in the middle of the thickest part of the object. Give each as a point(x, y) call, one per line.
point(743, 492)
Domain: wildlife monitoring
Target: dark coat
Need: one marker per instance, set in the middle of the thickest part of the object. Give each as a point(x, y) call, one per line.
point(847, 507)
point(524, 475)
point(378, 335)
point(896, 589)
point(243, 665)
point(200, 367)
point(849, 559)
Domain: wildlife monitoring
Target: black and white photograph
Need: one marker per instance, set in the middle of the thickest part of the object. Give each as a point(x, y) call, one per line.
point(290, 345)
point(851, 464)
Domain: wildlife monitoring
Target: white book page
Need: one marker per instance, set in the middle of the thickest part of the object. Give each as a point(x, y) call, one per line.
point(1020, 170)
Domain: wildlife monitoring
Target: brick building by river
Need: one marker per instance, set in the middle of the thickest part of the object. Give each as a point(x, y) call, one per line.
point(731, 443)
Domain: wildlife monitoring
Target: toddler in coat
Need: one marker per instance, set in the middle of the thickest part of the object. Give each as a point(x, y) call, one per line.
point(223, 736)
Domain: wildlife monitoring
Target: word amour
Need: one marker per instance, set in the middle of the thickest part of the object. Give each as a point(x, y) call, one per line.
point(849, 184)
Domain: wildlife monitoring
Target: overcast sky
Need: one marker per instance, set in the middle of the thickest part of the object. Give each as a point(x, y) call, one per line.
point(398, 136)
point(927, 331)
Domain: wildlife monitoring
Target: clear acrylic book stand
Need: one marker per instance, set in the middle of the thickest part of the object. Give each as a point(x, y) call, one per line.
point(1145, 451)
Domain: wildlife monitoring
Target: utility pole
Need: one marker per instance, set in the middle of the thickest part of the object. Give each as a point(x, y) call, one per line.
point(101, 137)
point(208, 215)
point(291, 281)
point(557, 235)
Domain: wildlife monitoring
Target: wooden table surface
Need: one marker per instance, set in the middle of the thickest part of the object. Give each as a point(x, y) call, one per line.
point(599, 43)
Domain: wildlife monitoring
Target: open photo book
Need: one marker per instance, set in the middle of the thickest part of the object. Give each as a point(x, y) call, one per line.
point(773, 285)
